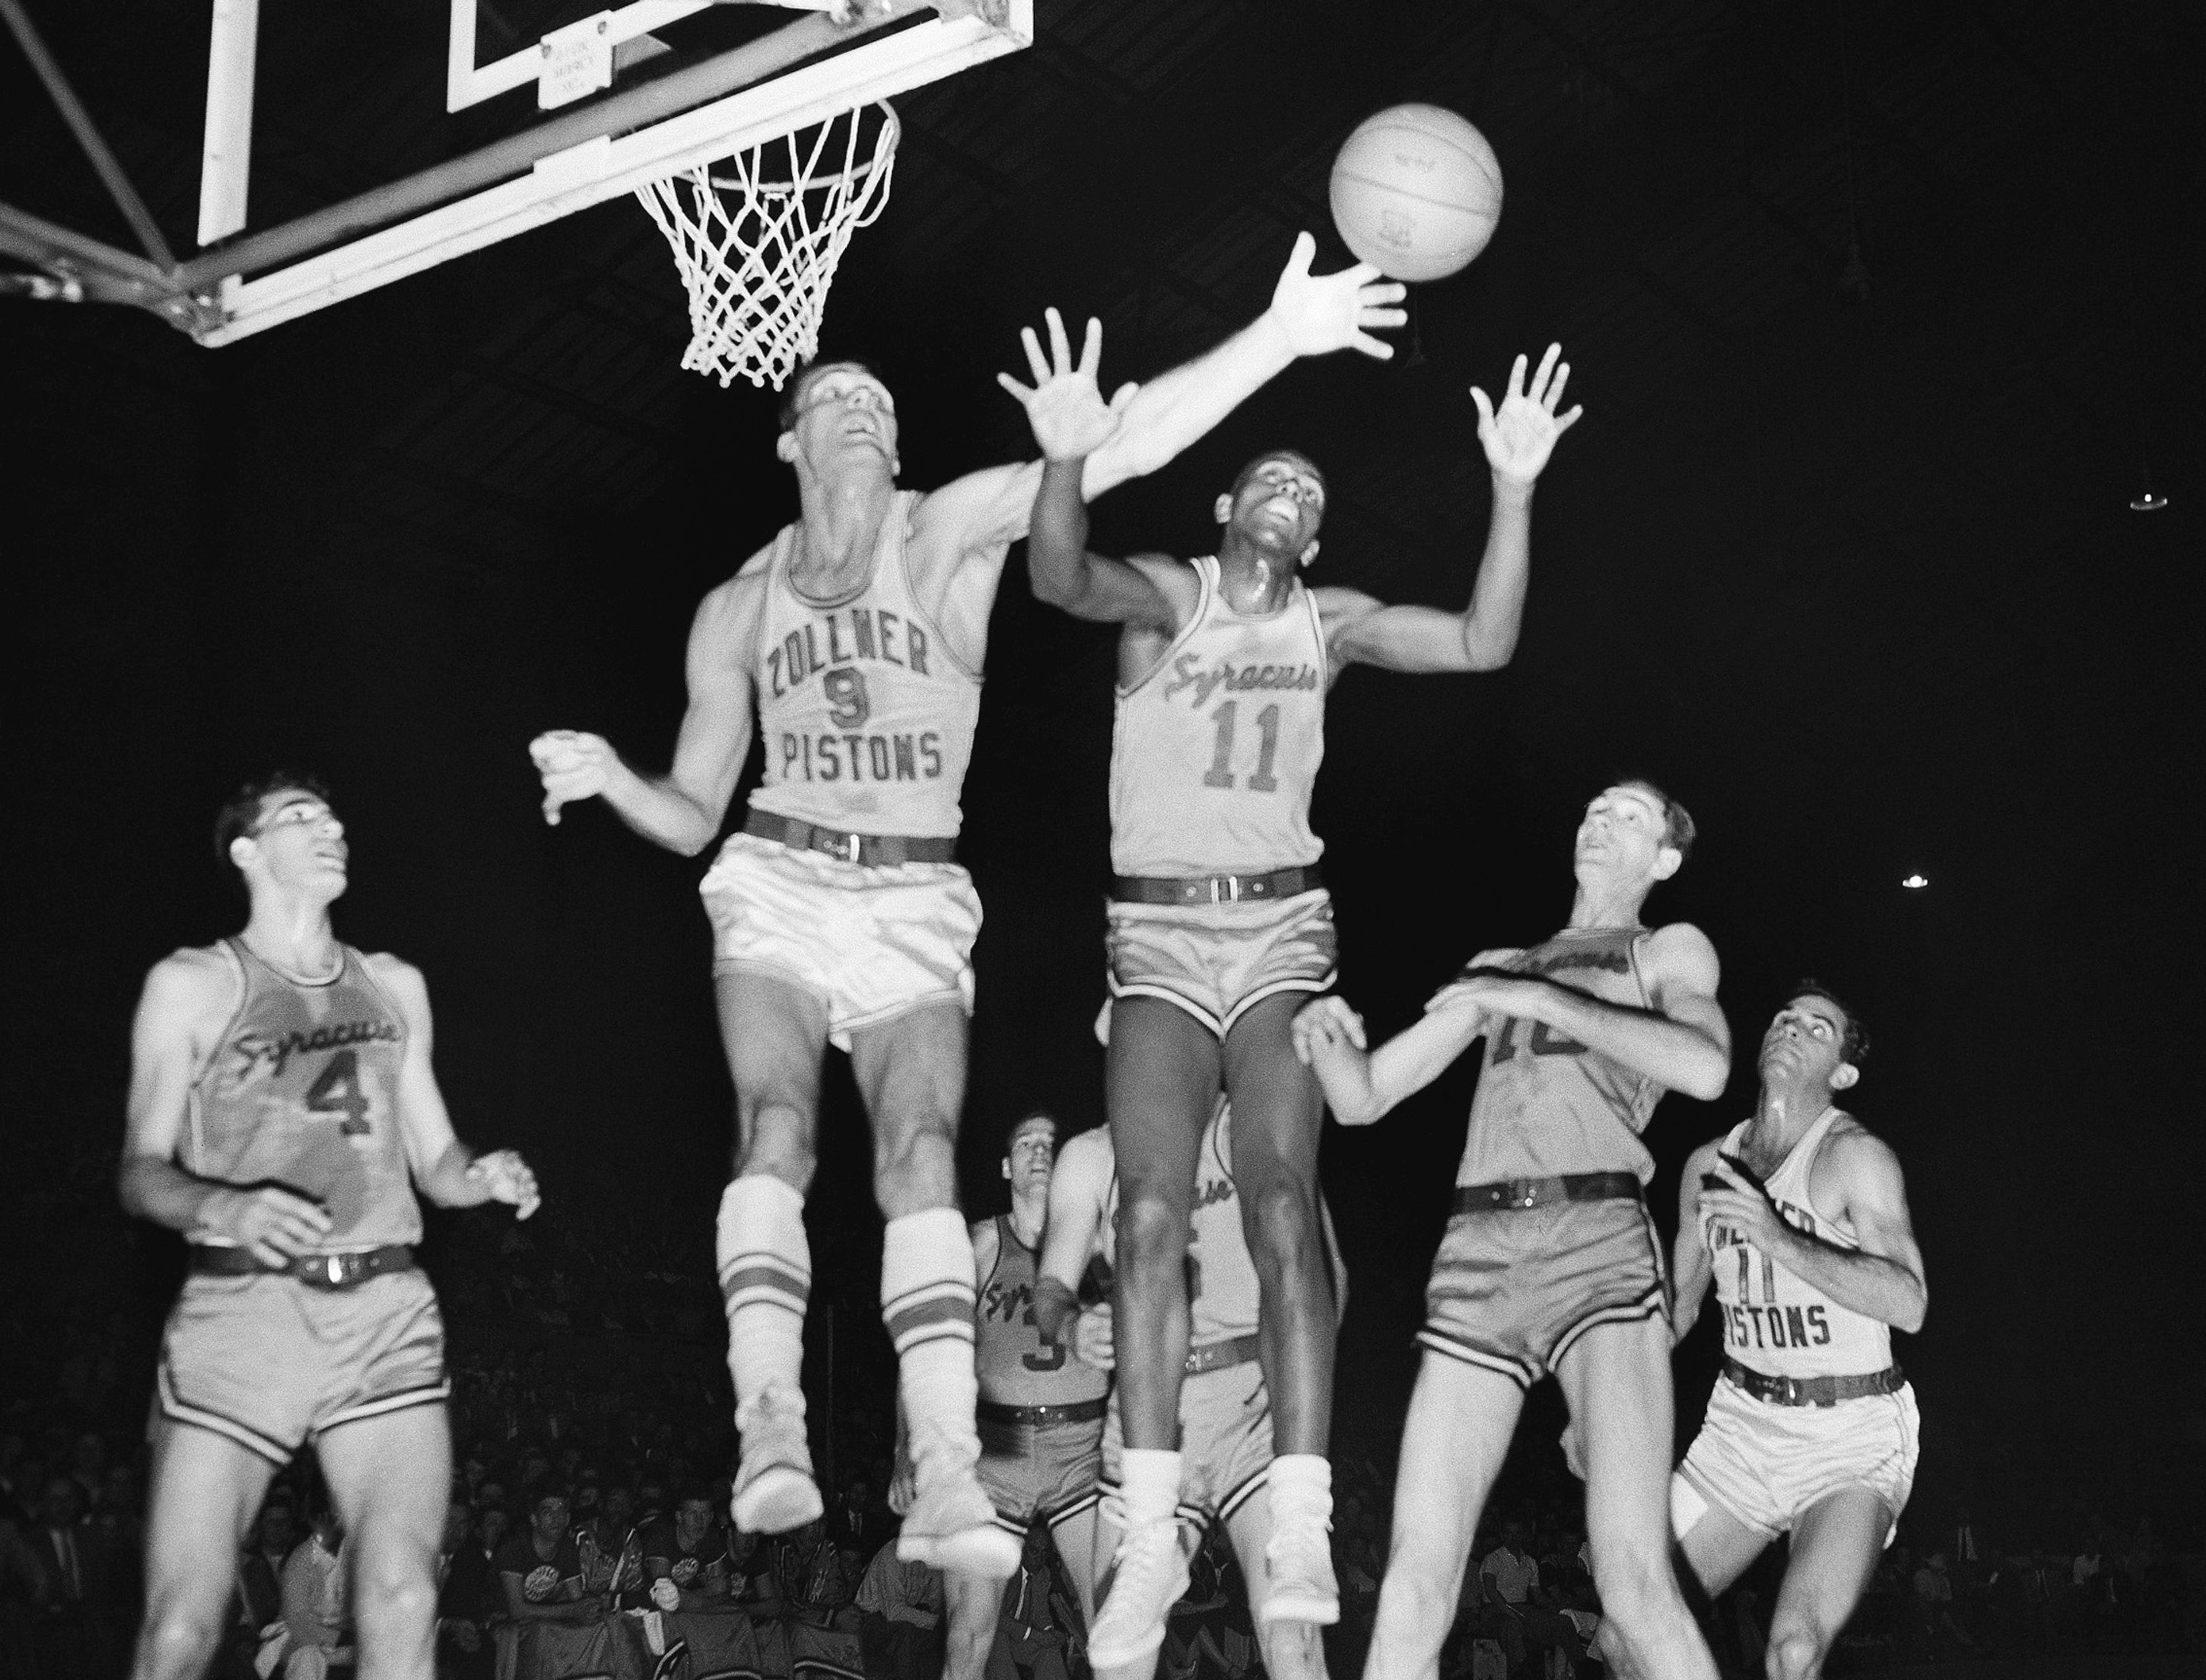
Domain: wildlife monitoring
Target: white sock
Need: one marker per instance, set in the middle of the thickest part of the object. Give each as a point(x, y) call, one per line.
point(1302, 1482)
point(927, 1300)
point(765, 1266)
point(1148, 1483)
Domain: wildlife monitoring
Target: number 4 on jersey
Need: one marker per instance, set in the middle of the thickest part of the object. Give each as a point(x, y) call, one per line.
point(338, 1091)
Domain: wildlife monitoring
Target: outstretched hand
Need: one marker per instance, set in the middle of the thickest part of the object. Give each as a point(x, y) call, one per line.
point(1323, 312)
point(1521, 435)
point(508, 1179)
point(1064, 405)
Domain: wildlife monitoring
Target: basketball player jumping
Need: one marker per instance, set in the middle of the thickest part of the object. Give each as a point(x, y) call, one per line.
point(1225, 1408)
point(1220, 925)
point(1041, 1410)
point(1550, 1262)
point(282, 1112)
point(855, 640)
point(1799, 1217)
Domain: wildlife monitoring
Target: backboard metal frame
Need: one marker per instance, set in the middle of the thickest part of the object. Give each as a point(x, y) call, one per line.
point(798, 75)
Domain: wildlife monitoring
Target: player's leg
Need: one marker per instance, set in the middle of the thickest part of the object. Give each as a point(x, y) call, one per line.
point(1073, 1534)
point(775, 1033)
point(1835, 1548)
point(971, 1606)
point(1711, 1544)
point(910, 1071)
point(1617, 1379)
point(205, 1489)
point(391, 1478)
point(1460, 1418)
point(1292, 1650)
point(1277, 1111)
point(1161, 1078)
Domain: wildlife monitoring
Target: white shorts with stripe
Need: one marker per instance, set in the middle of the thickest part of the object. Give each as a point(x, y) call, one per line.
point(271, 1362)
point(1224, 1441)
point(1768, 1465)
point(871, 943)
point(1217, 962)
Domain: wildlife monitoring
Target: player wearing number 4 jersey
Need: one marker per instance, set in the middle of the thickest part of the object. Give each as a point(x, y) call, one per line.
point(1219, 925)
point(1799, 1217)
point(854, 642)
point(1550, 1263)
point(282, 1111)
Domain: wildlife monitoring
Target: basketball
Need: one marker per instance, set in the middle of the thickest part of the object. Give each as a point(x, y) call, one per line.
point(1416, 192)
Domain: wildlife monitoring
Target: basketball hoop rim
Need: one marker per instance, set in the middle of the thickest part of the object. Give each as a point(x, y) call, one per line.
point(883, 153)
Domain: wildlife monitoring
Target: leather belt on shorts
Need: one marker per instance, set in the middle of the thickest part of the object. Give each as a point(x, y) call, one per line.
point(1515, 1192)
point(1218, 1355)
point(1812, 1391)
point(867, 851)
point(323, 1272)
point(1214, 889)
point(1036, 1417)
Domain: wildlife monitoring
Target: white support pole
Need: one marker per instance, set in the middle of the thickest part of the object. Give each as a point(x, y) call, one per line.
point(226, 155)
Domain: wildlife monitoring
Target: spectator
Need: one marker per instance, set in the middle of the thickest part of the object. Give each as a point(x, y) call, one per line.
point(900, 1617)
point(317, 1606)
point(467, 1598)
point(1527, 1619)
point(754, 1582)
point(541, 1572)
point(259, 1598)
point(610, 1546)
point(1033, 1635)
point(78, 1609)
point(860, 1522)
point(814, 1586)
point(685, 1559)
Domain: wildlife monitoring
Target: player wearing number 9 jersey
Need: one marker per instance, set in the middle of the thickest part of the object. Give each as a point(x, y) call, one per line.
point(1220, 927)
point(282, 1113)
point(854, 642)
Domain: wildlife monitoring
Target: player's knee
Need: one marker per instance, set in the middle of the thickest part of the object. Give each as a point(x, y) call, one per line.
point(1282, 1228)
point(1153, 1232)
point(396, 1587)
point(1797, 1649)
point(177, 1638)
point(916, 1166)
point(1635, 1590)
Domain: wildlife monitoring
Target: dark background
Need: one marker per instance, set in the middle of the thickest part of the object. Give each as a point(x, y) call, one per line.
point(1879, 315)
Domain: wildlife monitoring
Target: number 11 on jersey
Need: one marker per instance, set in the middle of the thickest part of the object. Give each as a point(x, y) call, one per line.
point(1220, 773)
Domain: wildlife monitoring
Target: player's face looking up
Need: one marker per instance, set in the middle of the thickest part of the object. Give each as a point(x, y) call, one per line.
point(1807, 1043)
point(840, 410)
point(1278, 505)
point(1625, 830)
point(1031, 1155)
point(297, 841)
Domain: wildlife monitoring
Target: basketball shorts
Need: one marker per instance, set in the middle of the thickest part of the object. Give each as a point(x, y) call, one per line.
point(871, 943)
point(1513, 1288)
point(1039, 1473)
point(1224, 1441)
point(1768, 1465)
point(271, 1363)
point(1218, 960)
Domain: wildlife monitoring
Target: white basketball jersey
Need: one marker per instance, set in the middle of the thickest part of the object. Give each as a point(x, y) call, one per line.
point(865, 715)
point(1774, 1323)
point(1214, 753)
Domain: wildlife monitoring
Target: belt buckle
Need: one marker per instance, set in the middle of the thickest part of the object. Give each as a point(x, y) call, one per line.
point(334, 1268)
point(844, 845)
point(1224, 889)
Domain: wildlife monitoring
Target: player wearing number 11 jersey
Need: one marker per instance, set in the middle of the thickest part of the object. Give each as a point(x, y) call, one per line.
point(1220, 926)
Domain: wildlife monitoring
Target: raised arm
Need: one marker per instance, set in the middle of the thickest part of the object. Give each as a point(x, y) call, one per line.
point(187, 997)
point(1311, 315)
point(684, 809)
point(447, 1172)
point(1883, 1277)
point(1682, 1042)
point(1364, 1086)
point(1690, 1265)
point(1518, 439)
point(1072, 1231)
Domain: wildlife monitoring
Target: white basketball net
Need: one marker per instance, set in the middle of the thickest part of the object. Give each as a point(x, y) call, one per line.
point(758, 252)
